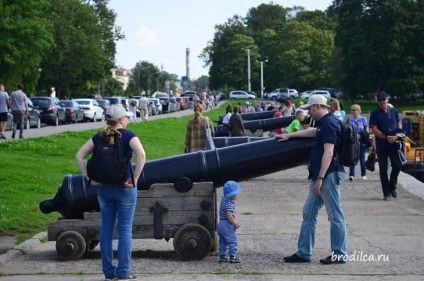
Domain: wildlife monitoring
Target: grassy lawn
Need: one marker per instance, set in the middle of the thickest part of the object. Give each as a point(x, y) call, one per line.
point(33, 169)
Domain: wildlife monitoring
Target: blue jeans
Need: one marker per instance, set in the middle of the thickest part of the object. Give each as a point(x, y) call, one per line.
point(330, 197)
point(228, 240)
point(116, 202)
point(388, 185)
point(361, 162)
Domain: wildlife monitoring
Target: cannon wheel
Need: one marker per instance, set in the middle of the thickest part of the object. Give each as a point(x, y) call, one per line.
point(70, 245)
point(183, 184)
point(192, 242)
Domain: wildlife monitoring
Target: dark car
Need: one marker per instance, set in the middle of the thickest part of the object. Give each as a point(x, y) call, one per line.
point(51, 112)
point(190, 94)
point(104, 104)
point(31, 120)
point(74, 112)
point(166, 107)
point(116, 100)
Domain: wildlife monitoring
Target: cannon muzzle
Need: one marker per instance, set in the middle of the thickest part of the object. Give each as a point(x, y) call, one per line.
point(237, 162)
point(253, 126)
point(253, 116)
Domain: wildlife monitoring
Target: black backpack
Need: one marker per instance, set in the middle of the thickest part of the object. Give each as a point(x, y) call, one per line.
point(108, 164)
point(347, 150)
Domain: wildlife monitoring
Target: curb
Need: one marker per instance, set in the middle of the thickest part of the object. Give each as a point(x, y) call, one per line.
point(23, 248)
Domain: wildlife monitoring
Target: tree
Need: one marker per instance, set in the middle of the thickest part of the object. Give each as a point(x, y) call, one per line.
point(82, 53)
point(378, 42)
point(26, 36)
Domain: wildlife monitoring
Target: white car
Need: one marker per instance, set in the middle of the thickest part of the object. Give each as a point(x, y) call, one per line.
point(320, 92)
point(92, 110)
point(305, 94)
point(241, 95)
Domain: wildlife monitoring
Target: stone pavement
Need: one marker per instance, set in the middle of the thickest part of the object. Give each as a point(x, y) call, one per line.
point(385, 239)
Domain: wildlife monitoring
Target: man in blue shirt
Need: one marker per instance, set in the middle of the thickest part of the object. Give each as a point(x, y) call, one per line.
point(384, 123)
point(324, 189)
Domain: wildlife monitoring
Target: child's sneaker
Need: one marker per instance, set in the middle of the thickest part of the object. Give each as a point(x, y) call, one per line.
point(224, 258)
point(235, 259)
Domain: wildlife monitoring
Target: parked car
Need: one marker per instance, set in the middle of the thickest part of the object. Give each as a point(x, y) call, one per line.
point(92, 109)
point(74, 112)
point(115, 100)
point(175, 104)
point(333, 92)
point(104, 104)
point(30, 120)
point(51, 112)
point(321, 92)
point(157, 106)
point(305, 94)
point(181, 101)
point(190, 94)
point(167, 107)
point(241, 95)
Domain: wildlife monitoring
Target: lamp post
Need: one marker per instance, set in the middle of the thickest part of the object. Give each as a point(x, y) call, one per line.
point(262, 77)
point(248, 70)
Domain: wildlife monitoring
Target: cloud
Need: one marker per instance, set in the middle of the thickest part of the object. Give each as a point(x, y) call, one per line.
point(147, 37)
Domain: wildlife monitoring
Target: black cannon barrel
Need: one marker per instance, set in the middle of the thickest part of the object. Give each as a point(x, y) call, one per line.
point(258, 115)
point(228, 141)
point(253, 116)
point(254, 125)
point(74, 197)
point(238, 162)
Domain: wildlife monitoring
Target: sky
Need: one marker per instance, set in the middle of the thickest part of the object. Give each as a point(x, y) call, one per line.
point(160, 31)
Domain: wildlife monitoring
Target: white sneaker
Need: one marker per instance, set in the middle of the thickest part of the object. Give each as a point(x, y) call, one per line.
point(364, 177)
point(351, 178)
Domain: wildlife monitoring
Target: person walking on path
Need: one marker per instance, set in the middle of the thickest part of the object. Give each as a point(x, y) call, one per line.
point(132, 106)
point(227, 226)
point(143, 104)
point(4, 109)
point(385, 123)
point(19, 106)
point(324, 189)
point(236, 121)
point(196, 131)
point(117, 201)
point(362, 130)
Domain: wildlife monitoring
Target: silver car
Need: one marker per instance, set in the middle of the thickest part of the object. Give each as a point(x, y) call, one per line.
point(92, 110)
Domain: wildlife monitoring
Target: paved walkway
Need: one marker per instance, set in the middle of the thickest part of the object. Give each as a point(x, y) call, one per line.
point(269, 210)
point(385, 239)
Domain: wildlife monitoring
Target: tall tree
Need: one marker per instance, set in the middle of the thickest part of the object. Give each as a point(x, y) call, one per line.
point(81, 56)
point(26, 36)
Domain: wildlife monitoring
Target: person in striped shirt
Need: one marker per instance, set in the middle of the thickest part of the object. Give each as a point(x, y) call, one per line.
point(227, 226)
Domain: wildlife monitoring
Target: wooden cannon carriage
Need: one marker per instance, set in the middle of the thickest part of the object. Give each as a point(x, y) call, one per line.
point(161, 213)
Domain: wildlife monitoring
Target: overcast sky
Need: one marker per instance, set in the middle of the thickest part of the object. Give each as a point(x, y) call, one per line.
point(159, 31)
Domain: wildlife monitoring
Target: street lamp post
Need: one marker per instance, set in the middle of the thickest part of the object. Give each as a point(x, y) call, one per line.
point(262, 77)
point(248, 70)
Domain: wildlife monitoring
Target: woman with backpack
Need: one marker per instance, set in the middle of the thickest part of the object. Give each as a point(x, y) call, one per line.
point(362, 130)
point(116, 186)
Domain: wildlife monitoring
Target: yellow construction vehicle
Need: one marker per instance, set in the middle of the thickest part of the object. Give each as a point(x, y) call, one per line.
point(413, 125)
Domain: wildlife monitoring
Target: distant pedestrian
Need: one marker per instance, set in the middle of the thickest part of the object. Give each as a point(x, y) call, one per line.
point(236, 121)
point(196, 131)
point(143, 104)
point(132, 106)
point(19, 106)
point(4, 109)
point(227, 226)
point(384, 123)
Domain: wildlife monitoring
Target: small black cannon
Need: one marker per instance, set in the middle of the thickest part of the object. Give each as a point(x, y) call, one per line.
point(262, 124)
point(176, 196)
